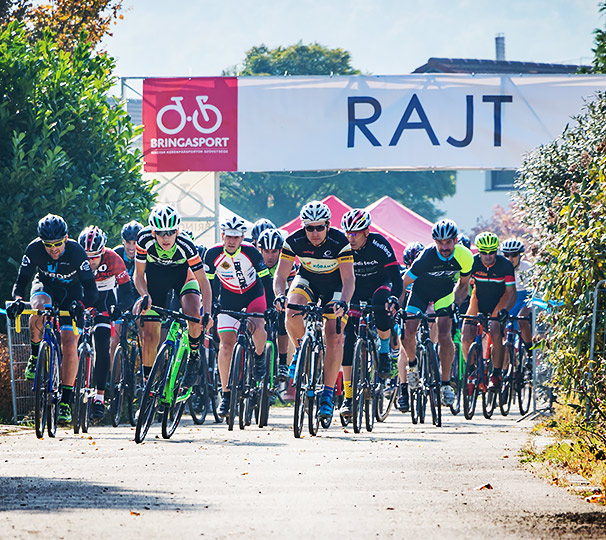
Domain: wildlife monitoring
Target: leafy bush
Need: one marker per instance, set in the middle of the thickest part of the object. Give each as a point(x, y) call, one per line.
point(64, 148)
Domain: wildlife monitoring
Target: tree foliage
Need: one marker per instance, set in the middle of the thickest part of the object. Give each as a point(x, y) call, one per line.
point(562, 199)
point(64, 148)
point(505, 223)
point(67, 20)
point(279, 196)
point(298, 59)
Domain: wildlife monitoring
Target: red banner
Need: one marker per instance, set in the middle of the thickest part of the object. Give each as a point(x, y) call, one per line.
point(190, 124)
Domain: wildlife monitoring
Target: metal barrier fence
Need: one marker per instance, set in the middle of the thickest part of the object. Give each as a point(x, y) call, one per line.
point(593, 384)
point(19, 352)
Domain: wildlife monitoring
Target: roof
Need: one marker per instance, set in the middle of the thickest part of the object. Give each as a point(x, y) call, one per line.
point(474, 65)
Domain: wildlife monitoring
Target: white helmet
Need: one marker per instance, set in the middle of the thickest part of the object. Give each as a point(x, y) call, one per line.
point(234, 226)
point(355, 220)
point(315, 211)
point(270, 239)
point(164, 218)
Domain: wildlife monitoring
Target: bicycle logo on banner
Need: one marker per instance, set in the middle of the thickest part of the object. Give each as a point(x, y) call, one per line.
point(203, 107)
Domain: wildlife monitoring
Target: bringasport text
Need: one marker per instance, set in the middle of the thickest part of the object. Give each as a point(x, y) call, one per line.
point(190, 142)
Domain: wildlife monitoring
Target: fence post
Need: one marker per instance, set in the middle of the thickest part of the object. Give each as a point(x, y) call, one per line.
point(589, 374)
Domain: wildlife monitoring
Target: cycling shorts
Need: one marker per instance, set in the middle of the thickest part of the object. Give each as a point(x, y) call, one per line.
point(163, 280)
point(313, 291)
point(253, 301)
point(62, 295)
point(482, 305)
point(523, 300)
point(419, 304)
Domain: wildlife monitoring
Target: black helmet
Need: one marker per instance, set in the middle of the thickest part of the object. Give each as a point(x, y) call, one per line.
point(259, 226)
point(52, 227)
point(130, 231)
point(465, 241)
point(412, 252)
point(270, 239)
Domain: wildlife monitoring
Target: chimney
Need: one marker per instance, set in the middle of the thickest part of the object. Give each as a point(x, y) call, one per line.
point(499, 42)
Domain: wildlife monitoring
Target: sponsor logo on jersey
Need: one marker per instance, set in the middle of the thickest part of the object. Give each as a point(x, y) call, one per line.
point(25, 261)
point(85, 266)
point(225, 265)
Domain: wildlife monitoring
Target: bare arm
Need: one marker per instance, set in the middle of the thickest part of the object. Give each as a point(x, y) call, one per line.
point(281, 276)
point(205, 289)
point(462, 289)
point(349, 280)
point(140, 281)
point(407, 281)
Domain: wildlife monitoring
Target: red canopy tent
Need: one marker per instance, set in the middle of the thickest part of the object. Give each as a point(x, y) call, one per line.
point(337, 209)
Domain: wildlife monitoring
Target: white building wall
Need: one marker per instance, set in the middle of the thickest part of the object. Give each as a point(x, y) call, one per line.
point(472, 200)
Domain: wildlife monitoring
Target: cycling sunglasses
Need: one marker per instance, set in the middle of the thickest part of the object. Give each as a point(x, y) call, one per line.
point(312, 228)
point(166, 233)
point(55, 244)
point(510, 255)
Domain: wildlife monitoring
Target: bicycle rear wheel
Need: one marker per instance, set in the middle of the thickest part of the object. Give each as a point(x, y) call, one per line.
point(470, 386)
point(199, 401)
point(433, 388)
point(456, 376)
point(313, 397)
point(135, 383)
point(214, 383)
point(489, 397)
point(506, 393)
point(358, 376)
point(152, 394)
point(268, 383)
point(524, 386)
point(117, 385)
point(371, 374)
point(301, 385)
point(248, 392)
point(55, 395)
point(79, 387)
point(238, 358)
point(41, 389)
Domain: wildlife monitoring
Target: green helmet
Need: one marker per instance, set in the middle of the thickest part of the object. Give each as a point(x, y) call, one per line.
point(487, 242)
point(164, 218)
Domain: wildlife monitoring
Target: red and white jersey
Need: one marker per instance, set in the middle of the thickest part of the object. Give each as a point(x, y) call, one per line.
point(237, 272)
point(111, 272)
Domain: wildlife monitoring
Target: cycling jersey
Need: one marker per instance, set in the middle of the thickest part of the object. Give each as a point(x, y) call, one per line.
point(490, 283)
point(68, 276)
point(109, 276)
point(183, 251)
point(319, 264)
point(522, 274)
point(375, 265)
point(434, 277)
point(129, 263)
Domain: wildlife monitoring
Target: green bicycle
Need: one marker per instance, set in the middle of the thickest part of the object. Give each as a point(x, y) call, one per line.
point(163, 391)
point(457, 371)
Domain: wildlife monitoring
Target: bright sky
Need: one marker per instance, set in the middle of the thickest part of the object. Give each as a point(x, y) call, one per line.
point(384, 37)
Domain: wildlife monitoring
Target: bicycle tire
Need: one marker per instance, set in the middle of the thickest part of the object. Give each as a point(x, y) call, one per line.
point(422, 394)
point(489, 397)
point(237, 362)
point(434, 387)
point(117, 385)
point(268, 383)
point(456, 375)
point(79, 386)
point(151, 394)
point(173, 411)
point(313, 401)
point(41, 394)
point(247, 392)
point(199, 401)
point(385, 396)
point(525, 387)
point(357, 384)
point(135, 383)
point(470, 386)
point(506, 393)
point(301, 386)
point(372, 381)
point(414, 409)
point(55, 395)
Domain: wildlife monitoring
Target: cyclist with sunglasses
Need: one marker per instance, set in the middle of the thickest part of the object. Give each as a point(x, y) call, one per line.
point(494, 293)
point(326, 271)
point(167, 260)
point(62, 275)
point(115, 296)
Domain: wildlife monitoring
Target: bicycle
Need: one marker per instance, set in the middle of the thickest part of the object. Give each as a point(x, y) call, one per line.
point(478, 370)
point(429, 372)
point(270, 385)
point(47, 381)
point(207, 393)
point(243, 394)
point(126, 379)
point(457, 370)
point(163, 389)
point(386, 390)
point(177, 107)
point(309, 369)
point(84, 387)
point(516, 379)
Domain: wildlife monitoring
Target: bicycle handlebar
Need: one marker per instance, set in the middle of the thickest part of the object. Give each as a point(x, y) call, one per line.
point(47, 311)
point(316, 310)
point(169, 313)
point(242, 314)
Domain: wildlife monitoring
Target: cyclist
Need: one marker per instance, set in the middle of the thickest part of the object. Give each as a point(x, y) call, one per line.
point(167, 260)
point(410, 254)
point(115, 296)
point(326, 272)
point(494, 293)
point(258, 227)
point(270, 244)
point(242, 282)
point(513, 249)
point(62, 275)
point(378, 282)
point(432, 276)
point(126, 251)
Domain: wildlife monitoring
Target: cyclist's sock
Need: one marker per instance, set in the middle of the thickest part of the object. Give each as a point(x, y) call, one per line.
point(35, 348)
point(446, 383)
point(348, 389)
point(100, 398)
point(404, 388)
point(147, 371)
point(497, 371)
point(412, 364)
point(283, 359)
point(66, 395)
point(295, 355)
point(328, 392)
point(527, 346)
point(194, 343)
point(384, 345)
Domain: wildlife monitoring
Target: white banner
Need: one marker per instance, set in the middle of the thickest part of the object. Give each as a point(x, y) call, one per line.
point(403, 122)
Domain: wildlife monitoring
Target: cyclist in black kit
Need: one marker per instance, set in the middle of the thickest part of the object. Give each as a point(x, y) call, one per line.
point(62, 275)
point(378, 282)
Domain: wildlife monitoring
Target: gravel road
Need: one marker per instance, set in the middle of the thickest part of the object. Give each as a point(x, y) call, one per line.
point(399, 481)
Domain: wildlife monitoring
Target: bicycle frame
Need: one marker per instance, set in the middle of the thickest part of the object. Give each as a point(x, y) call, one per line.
point(178, 340)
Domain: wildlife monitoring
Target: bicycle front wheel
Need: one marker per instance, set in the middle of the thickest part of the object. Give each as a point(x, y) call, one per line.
point(524, 390)
point(313, 401)
point(178, 399)
point(372, 383)
point(199, 402)
point(301, 385)
point(238, 358)
point(506, 393)
point(358, 377)
point(433, 388)
point(268, 383)
point(457, 372)
point(151, 394)
point(41, 389)
point(135, 383)
point(470, 386)
point(55, 395)
point(117, 385)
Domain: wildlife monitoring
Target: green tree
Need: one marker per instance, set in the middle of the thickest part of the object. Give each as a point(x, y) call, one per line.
point(64, 148)
point(278, 196)
point(298, 59)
